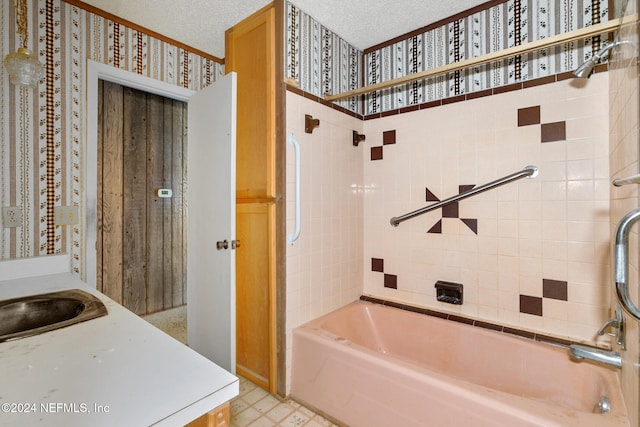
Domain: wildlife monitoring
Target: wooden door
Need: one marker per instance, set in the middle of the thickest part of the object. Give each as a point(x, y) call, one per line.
point(250, 52)
point(141, 242)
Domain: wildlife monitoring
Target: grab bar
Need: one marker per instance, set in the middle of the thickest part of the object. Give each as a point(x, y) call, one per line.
point(296, 233)
point(621, 262)
point(633, 179)
point(528, 171)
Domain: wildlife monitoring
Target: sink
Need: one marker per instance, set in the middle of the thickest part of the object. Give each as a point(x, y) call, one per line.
point(35, 314)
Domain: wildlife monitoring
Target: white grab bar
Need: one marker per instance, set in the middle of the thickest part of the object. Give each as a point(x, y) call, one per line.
point(296, 233)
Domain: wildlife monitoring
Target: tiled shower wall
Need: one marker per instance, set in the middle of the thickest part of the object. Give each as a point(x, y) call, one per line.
point(43, 130)
point(533, 254)
point(623, 107)
point(325, 265)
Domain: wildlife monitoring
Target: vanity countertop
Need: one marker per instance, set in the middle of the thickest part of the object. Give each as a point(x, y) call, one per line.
point(116, 370)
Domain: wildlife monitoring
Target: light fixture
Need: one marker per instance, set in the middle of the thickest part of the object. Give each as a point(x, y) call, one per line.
point(24, 69)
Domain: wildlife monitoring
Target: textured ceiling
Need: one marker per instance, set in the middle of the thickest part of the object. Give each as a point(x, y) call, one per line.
point(201, 23)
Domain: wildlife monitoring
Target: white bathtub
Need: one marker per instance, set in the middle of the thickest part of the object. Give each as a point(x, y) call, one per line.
point(369, 365)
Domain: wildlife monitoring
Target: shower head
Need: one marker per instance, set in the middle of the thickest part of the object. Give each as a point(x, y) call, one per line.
point(586, 68)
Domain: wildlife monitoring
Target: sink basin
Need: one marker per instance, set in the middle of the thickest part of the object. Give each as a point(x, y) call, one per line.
point(35, 314)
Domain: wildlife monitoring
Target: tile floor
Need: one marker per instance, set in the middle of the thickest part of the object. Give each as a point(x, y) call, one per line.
point(254, 406)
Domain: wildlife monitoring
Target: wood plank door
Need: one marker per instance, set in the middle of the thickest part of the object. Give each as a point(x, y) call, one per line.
point(141, 239)
point(250, 52)
point(211, 321)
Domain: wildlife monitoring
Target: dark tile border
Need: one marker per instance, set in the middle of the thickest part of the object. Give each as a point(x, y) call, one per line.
point(297, 91)
point(460, 98)
point(494, 327)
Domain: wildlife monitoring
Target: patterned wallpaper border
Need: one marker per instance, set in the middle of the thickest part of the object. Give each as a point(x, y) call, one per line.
point(44, 129)
point(501, 26)
point(320, 60)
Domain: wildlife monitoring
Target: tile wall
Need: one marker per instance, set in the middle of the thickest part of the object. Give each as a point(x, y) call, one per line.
point(325, 265)
point(533, 254)
point(624, 134)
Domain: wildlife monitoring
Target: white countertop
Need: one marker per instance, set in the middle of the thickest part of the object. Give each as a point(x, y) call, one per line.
point(116, 370)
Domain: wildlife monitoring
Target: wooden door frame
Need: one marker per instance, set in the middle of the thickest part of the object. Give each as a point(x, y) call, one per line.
point(88, 219)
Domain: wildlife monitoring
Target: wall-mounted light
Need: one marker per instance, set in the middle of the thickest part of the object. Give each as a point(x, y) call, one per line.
point(24, 69)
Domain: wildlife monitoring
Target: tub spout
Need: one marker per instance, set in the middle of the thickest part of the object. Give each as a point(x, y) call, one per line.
point(609, 358)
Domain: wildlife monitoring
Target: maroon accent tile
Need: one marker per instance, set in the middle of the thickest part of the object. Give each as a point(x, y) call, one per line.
point(554, 289)
point(463, 188)
point(376, 153)
point(552, 340)
point(471, 223)
point(565, 76)
point(391, 281)
point(507, 88)
point(389, 113)
point(529, 116)
point(389, 137)
point(600, 68)
point(454, 99)
point(295, 90)
point(485, 325)
point(538, 82)
point(437, 228)
point(394, 304)
point(372, 116)
point(519, 333)
point(531, 305)
point(460, 319)
point(377, 264)
point(410, 108)
point(479, 94)
point(431, 197)
point(426, 312)
point(553, 132)
point(450, 210)
point(430, 104)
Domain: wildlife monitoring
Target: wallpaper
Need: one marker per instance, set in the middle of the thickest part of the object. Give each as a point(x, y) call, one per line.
point(508, 24)
point(42, 130)
point(319, 60)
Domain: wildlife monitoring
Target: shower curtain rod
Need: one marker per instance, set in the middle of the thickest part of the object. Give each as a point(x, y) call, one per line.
point(582, 33)
point(528, 171)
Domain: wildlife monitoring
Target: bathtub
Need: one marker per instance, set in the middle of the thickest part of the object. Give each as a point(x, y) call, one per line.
point(368, 365)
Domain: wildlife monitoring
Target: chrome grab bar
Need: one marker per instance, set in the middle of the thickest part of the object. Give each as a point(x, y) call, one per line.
point(633, 179)
point(528, 171)
point(621, 262)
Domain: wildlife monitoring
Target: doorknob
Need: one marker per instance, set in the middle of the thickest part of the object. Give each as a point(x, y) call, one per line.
point(222, 244)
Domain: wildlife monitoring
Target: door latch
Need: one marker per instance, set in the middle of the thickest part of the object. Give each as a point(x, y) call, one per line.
point(224, 244)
